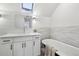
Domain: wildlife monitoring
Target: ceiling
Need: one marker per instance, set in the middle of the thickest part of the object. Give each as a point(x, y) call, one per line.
point(10, 6)
point(44, 9)
point(39, 9)
point(6, 8)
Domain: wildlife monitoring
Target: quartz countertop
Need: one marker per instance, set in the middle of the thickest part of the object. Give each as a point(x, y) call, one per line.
point(21, 34)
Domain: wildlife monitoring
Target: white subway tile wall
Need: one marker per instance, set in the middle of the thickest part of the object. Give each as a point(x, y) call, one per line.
point(69, 35)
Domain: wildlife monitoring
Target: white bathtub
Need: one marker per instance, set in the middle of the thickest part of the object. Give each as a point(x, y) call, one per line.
point(63, 49)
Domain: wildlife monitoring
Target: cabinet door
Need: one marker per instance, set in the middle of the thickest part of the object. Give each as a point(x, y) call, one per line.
point(5, 50)
point(18, 49)
point(29, 48)
point(36, 47)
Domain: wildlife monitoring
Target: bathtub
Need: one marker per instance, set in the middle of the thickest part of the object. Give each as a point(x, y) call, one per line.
point(62, 48)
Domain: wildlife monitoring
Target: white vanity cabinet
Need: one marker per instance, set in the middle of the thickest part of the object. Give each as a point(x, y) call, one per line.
point(18, 49)
point(23, 46)
point(5, 47)
point(36, 45)
point(5, 50)
point(29, 48)
point(20, 46)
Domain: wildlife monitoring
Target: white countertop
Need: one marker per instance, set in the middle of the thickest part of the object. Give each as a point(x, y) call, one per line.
point(16, 35)
point(63, 49)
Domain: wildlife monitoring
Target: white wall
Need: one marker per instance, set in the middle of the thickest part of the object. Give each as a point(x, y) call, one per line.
point(18, 24)
point(65, 23)
point(11, 24)
point(66, 14)
point(9, 20)
point(44, 9)
point(42, 25)
point(12, 20)
point(6, 23)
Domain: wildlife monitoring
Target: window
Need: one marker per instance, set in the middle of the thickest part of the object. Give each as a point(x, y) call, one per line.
point(27, 6)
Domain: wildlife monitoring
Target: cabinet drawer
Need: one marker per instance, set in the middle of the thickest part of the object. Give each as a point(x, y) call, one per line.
point(5, 40)
point(18, 39)
point(36, 37)
point(29, 38)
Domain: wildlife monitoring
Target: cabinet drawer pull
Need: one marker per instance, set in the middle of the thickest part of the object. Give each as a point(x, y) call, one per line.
point(6, 40)
point(36, 37)
point(11, 47)
point(34, 43)
point(22, 45)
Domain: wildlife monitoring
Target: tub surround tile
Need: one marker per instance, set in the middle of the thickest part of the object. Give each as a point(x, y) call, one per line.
point(69, 35)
